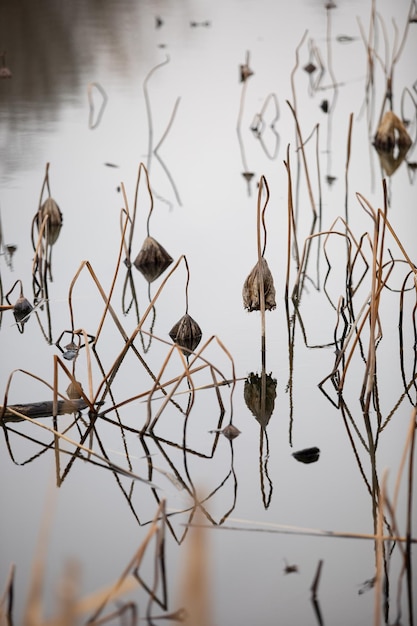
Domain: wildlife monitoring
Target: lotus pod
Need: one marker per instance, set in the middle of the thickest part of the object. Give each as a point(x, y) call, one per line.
point(251, 288)
point(21, 309)
point(74, 390)
point(152, 259)
point(261, 407)
point(51, 210)
point(186, 333)
point(308, 455)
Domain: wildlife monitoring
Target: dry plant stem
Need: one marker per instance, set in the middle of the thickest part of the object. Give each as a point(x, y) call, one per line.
point(261, 251)
point(291, 228)
point(379, 552)
point(301, 147)
point(102, 293)
point(408, 450)
point(409, 521)
point(348, 152)
point(161, 386)
point(126, 582)
point(313, 532)
point(186, 284)
point(45, 183)
point(129, 340)
point(150, 423)
point(7, 597)
point(90, 452)
point(304, 257)
point(376, 287)
point(119, 260)
point(359, 328)
point(185, 374)
point(33, 612)
point(60, 395)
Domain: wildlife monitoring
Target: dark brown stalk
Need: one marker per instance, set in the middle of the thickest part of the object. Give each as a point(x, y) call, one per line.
point(301, 146)
point(261, 251)
point(349, 145)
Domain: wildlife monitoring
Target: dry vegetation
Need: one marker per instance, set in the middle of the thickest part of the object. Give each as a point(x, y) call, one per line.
point(371, 257)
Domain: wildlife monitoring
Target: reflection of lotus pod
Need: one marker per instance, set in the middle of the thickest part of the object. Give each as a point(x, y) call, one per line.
point(230, 432)
point(251, 289)
point(307, 455)
point(261, 407)
point(21, 309)
point(391, 132)
point(54, 224)
point(309, 68)
point(186, 333)
point(391, 159)
point(152, 259)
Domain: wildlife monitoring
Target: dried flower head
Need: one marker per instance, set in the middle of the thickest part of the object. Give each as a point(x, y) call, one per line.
point(186, 333)
point(51, 210)
point(251, 288)
point(22, 309)
point(74, 390)
point(152, 259)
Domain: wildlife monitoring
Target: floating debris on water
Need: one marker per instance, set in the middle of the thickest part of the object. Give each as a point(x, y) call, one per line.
point(307, 455)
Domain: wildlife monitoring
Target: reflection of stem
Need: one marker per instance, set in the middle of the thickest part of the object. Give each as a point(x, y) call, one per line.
point(148, 107)
point(164, 167)
point(91, 123)
point(246, 173)
point(263, 465)
point(313, 590)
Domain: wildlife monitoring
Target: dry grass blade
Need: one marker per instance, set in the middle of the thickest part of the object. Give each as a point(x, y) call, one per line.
point(195, 584)
point(127, 580)
point(265, 527)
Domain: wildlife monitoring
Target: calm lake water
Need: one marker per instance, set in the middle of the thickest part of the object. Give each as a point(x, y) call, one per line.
point(98, 89)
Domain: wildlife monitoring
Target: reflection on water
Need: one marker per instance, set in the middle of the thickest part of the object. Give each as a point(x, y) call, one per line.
point(152, 409)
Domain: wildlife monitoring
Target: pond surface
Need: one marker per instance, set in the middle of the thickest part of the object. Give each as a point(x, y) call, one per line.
point(213, 104)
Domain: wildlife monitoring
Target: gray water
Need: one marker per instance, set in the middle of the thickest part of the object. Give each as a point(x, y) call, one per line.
point(263, 509)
